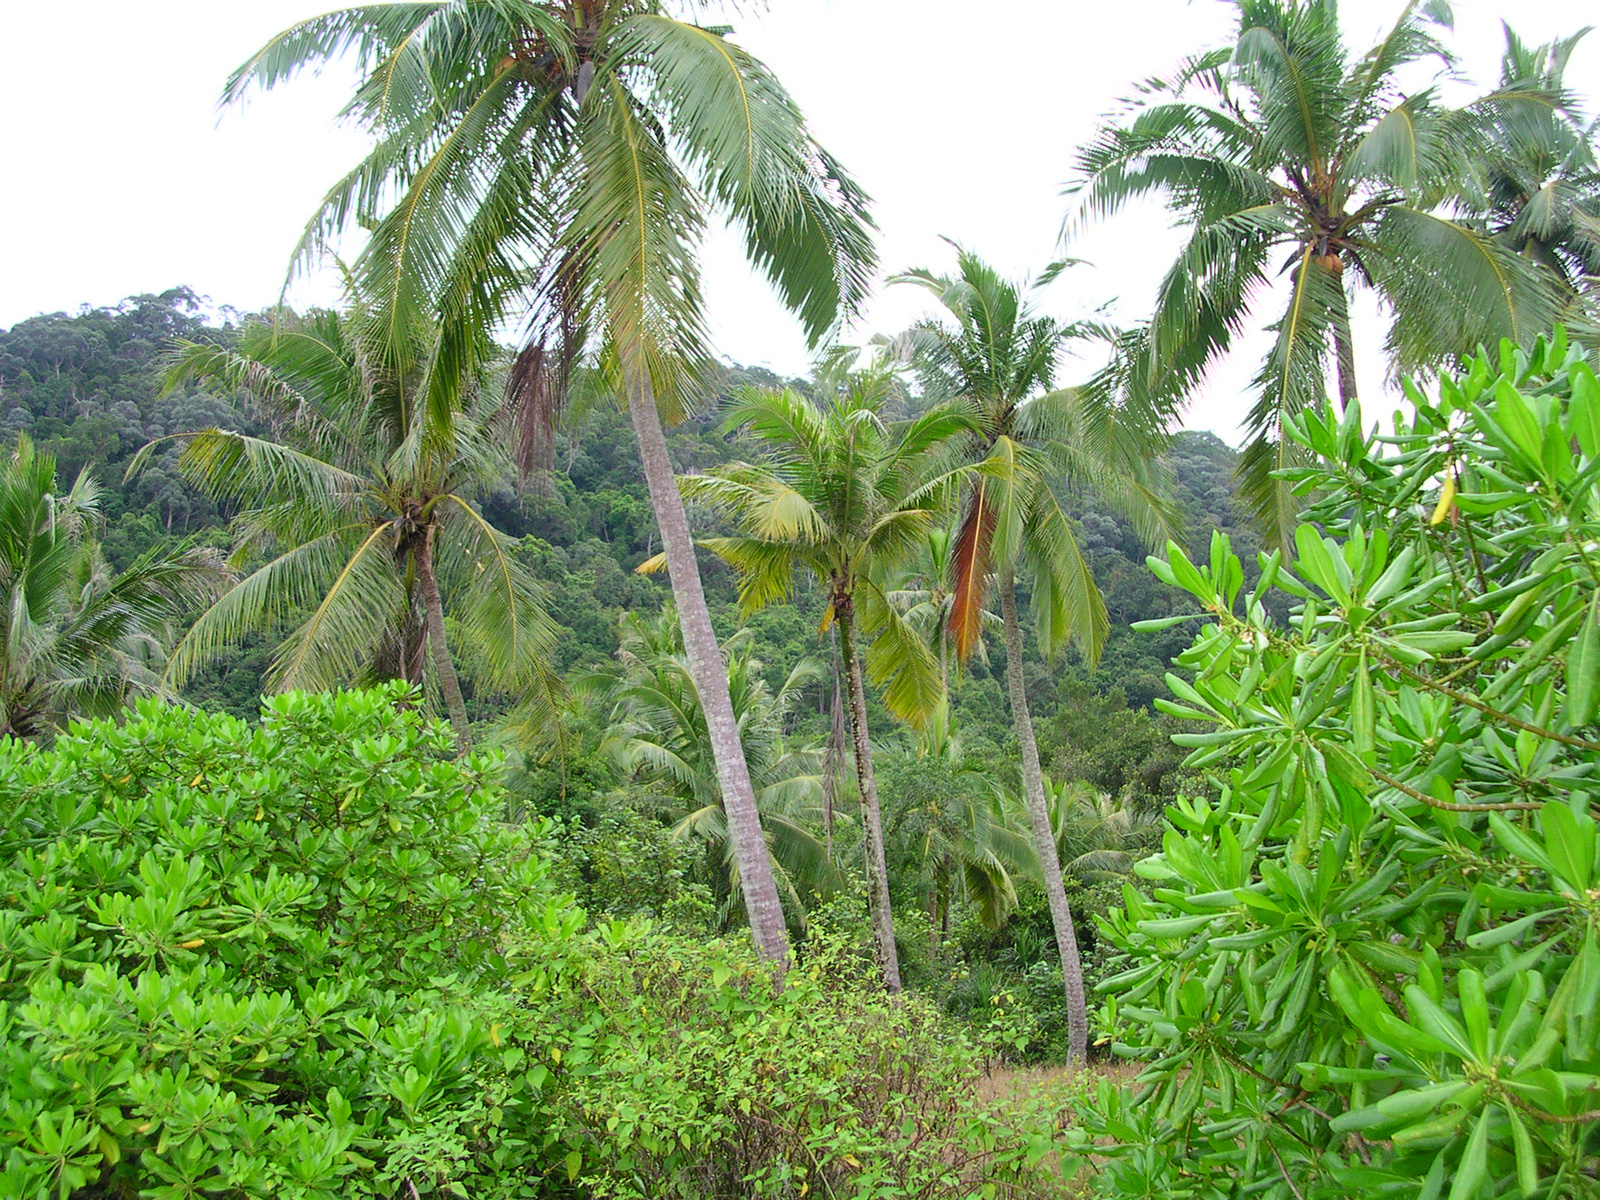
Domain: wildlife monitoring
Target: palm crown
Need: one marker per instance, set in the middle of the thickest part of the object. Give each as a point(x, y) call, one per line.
point(1538, 184)
point(847, 499)
point(361, 509)
point(78, 639)
point(1286, 154)
point(568, 154)
point(999, 357)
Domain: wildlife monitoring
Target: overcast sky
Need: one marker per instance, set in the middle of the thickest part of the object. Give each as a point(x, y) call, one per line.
point(960, 119)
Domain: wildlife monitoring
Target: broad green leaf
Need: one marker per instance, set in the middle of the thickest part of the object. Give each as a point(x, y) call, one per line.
point(1527, 1158)
point(1583, 411)
point(1363, 707)
point(1510, 931)
point(1473, 1171)
point(1583, 670)
point(1401, 1106)
point(1569, 843)
point(1516, 417)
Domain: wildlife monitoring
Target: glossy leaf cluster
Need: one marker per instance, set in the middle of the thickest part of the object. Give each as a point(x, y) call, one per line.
point(1371, 958)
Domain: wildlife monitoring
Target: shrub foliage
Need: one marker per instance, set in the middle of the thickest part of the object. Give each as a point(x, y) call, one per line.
point(1371, 960)
point(307, 959)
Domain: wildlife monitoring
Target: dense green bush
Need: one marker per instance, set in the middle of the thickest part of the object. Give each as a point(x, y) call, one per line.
point(308, 959)
point(1371, 960)
point(236, 959)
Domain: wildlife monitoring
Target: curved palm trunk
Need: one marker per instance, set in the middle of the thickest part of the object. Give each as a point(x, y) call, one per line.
point(1044, 839)
point(871, 813)
point(433, 608)
point(761, 903)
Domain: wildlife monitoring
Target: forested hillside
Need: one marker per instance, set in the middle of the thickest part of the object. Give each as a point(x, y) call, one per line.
point(87, 387)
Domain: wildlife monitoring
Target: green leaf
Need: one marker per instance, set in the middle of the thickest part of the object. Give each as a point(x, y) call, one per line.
point(1500, 934)
point(1403, 1106)
point(1583, 670)
point(1517, 419)
point(1519, 843)
point(1323, 568)
point(1569, 843)
point(1527, 1159)
point(1363, 708)
point(1175, 927)
point(1474, 1011)
point(1437, 1024)
point(1187, 575)
point(1583, 411)
point(1396, 575)
point(1155, 624)
point(1473, 1171)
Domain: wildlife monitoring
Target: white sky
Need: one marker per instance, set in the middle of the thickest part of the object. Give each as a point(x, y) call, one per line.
point(960, 120)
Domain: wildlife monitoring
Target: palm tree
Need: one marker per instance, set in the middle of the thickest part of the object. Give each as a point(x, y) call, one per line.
point(845, 499)
point(79, 640)
point(1285, 153)
point(364, 510)
point(1537, 186)
point(561, 156)
point(658, 736)
point(999, 357)
point(949, 822)
point(921, 590)
point(1096, 835)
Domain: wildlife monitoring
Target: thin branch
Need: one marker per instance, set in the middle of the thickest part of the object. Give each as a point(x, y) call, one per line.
point(1583, 1118)
point(1472, 701)
point(1284, 1171)
point(1391, 781)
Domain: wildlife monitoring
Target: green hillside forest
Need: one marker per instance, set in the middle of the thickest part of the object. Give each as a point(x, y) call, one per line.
point(475, 741)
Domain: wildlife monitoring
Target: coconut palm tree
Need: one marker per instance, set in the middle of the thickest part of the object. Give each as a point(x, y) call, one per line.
point(950, 829)
point(80, 640)
point(560, 158)
point(1097, 836)
point(658, 737)
point(1537, 186)
point(845, 499)
point(1286, 154)
point(999, 357)
point(921, 590)
point(364, 510)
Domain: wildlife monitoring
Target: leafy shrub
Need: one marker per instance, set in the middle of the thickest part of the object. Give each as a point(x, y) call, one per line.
point(697, 1079)
point(627, 863)
point(305, 959)
point(1371, 960)
point(221, 941)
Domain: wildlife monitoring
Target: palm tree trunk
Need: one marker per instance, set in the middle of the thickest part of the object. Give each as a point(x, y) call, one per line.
point(449, 682)
point(871, 814)
point(1344, 351)
point(833, 759)
point(761, 903)
point(1044, 839)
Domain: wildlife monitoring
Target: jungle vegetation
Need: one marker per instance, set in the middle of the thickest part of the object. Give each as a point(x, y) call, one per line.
point(474, 741)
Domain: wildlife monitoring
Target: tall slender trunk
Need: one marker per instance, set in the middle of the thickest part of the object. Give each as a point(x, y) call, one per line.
point(834, 757)
point(761, 903)
point(944, 652)
point(871, 814)
point(1344, 350)
point(1044, 838)
point(449, 682)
